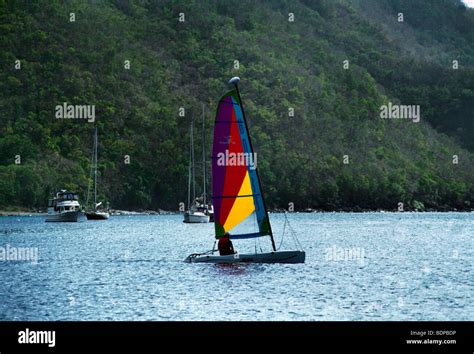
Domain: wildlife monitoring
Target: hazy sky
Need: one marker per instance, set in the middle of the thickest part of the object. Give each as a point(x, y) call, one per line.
point(469, 3)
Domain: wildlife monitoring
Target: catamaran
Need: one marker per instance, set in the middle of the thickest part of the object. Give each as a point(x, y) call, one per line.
point(239, 206)
point(95, 213)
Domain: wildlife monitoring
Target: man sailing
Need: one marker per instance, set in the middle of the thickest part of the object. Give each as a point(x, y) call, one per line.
point(225, 245)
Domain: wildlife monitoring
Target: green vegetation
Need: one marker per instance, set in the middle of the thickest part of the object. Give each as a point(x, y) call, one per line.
point(283, 65)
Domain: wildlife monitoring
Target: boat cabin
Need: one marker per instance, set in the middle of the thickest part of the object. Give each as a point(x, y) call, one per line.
point(64, 201)
point(65, 195)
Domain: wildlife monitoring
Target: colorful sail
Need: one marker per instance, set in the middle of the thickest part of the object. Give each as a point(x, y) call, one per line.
point(238, 202)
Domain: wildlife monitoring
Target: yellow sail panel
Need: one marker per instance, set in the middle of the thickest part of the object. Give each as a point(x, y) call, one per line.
point(243, 206)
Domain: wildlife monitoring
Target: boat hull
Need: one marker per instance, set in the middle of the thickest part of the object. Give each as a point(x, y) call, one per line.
point(271, 257)
point(196, 218)
point(97, 216)
point(70, 216)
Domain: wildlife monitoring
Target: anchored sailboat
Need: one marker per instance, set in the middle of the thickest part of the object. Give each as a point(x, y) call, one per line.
point(95, 213)
point(239, 207)
point(196, 212)
point(207, 206)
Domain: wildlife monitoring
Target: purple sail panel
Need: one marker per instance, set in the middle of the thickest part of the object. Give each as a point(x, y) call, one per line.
point(222, 128)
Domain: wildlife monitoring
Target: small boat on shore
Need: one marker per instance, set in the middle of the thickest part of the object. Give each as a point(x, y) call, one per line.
point(239, 206)
point(64, 207)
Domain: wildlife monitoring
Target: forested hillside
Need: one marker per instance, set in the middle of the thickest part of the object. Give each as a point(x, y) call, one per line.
point(334, 152)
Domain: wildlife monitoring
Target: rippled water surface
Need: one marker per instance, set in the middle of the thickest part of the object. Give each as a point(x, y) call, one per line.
point(373, 266)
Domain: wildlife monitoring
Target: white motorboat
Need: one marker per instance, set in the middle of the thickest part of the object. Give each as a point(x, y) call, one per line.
point(64, 207)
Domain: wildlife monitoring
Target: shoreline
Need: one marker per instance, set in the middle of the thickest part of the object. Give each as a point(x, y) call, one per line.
point(113, 212)
point(273, 211)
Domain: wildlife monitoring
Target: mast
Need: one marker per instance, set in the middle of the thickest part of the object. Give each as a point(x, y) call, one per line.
point(192, 159)
point(91, 171)
point(95, 168)
point(235, 81)
point(189, 170)
point(203, 157)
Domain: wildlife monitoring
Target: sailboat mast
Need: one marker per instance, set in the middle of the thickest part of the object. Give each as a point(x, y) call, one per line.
point(192, 159)
point(91, 172)
point(95, 168)
point(256, 170)
point(189, 169)
point(203, 157)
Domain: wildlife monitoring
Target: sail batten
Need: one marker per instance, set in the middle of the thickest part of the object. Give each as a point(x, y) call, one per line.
point(244, 236)
point(236, 196)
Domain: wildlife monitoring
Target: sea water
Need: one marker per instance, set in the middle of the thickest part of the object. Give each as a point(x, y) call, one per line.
point(359, 266)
